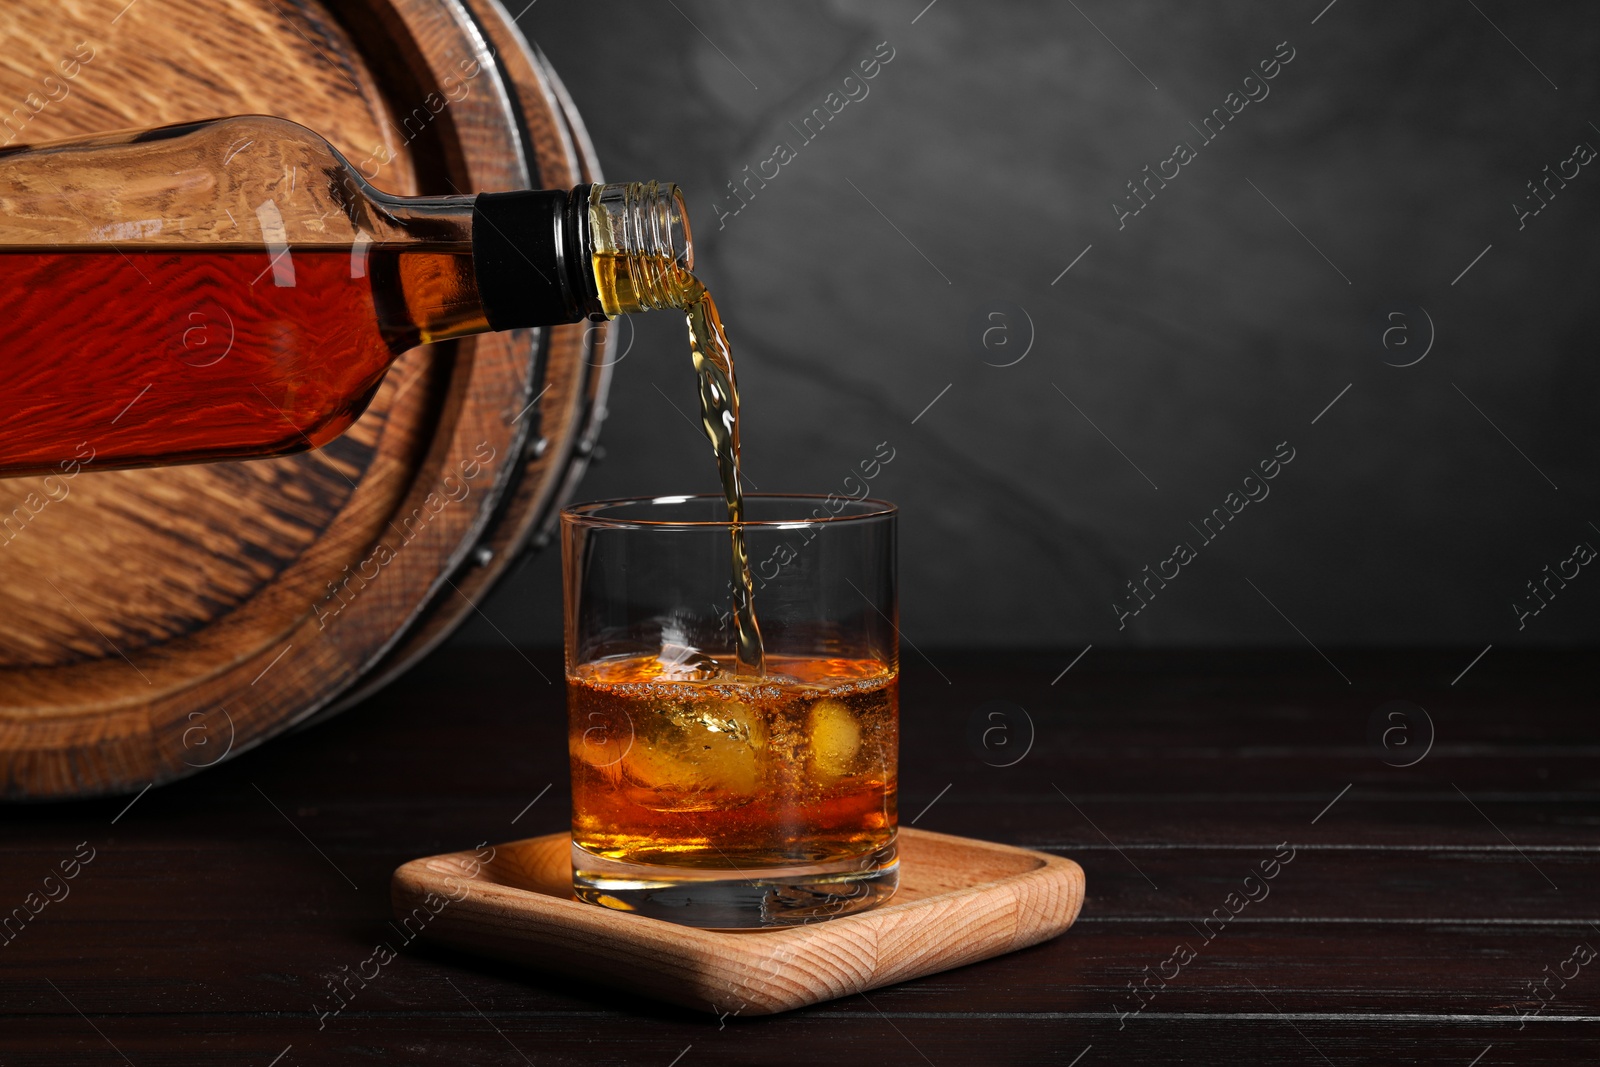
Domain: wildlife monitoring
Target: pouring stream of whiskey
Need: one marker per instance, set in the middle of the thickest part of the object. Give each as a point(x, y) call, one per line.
point(719, 414)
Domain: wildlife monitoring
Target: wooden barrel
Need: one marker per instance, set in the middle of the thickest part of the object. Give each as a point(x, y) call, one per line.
point(155, 622)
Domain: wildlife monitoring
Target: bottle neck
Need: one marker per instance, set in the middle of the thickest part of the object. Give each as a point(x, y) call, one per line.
point(642, 250)
point(545, 256)
point(532, 252)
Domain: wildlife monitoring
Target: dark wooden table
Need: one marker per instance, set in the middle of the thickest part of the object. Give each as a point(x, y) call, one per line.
point(1442, 912)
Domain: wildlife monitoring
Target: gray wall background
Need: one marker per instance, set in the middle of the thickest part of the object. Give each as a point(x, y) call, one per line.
point(1179, 349)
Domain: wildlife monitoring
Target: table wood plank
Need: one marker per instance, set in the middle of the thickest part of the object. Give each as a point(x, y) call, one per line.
point(1413, 922)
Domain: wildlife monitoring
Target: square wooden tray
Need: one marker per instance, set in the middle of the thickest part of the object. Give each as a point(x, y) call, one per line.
point(959, 901)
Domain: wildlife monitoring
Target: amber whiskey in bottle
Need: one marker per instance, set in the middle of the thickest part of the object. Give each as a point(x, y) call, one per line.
point(235, 288)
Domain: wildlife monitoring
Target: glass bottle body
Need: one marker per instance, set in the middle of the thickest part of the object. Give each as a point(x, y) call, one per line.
point(236, 288)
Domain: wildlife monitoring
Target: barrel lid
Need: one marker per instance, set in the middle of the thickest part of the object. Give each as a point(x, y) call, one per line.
point(156, 622)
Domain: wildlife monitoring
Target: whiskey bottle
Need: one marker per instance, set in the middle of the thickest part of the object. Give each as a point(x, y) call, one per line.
point(236, 288)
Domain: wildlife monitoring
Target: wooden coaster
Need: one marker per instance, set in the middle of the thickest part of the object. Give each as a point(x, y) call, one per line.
point(959, 901)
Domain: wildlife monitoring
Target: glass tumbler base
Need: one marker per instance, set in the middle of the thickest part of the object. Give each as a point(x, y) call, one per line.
point(738, 900)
